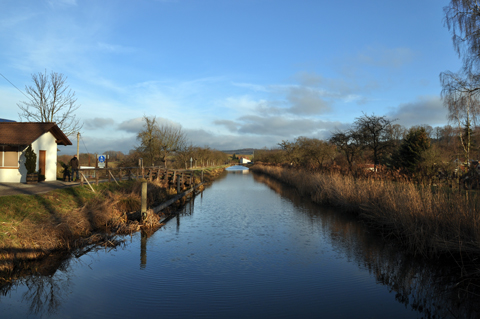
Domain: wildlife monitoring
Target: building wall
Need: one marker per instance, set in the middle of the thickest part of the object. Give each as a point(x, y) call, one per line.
point(8, 174)
point(45, 142)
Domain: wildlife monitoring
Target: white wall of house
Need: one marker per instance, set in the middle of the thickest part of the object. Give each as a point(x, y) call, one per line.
point(47, 143)
point(10, 175)
point(244, 160)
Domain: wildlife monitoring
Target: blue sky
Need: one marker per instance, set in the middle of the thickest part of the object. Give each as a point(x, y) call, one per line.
point(232, 73)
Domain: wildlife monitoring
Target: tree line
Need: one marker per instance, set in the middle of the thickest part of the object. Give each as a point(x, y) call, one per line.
point(375, 142)
point(164, 144)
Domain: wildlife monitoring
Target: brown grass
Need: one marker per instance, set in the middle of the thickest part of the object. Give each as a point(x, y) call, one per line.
point(48, 224)
point(33, 226)
point(427, 221)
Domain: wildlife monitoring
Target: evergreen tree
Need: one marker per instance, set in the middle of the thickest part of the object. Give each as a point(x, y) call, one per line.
point(30, 160)
point(411, 150)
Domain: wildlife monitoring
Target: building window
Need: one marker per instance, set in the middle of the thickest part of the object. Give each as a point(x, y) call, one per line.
point(9, 156)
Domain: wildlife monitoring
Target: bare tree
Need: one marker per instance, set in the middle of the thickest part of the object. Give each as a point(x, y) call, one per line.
point(349, 143)
point(462, 17)
point(158, 141)
point(171, 140)
point(460, 98)
point(397, 133)
point(292, 152)
point(51, 100)
point(149, 140)
point(374, 132)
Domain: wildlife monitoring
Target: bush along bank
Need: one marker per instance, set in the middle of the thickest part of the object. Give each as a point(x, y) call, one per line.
point(69, 219)
point(427, 221)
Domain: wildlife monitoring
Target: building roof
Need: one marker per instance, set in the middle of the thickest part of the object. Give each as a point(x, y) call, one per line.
point(5, 120)
point(24, 133)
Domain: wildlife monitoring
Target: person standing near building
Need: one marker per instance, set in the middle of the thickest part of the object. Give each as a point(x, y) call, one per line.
point(75, 166)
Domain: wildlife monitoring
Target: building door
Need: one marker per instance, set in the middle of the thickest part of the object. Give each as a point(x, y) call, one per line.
point(42, 160)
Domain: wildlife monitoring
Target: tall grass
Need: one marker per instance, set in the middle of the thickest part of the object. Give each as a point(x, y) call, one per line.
point(427, 221)
point(33, 226)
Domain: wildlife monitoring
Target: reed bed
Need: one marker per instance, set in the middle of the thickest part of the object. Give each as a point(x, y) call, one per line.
point(427, 221)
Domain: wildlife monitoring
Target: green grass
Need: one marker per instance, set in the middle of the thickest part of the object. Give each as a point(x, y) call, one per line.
point(48, 207)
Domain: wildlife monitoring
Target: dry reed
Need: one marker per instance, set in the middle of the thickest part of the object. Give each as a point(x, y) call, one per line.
point(427, 221)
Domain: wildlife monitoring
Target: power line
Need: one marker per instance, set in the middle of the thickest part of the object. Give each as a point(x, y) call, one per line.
point(14, 86)
point(84, 144)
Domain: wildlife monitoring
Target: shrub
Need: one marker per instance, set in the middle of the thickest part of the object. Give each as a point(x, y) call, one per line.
point(30, 160)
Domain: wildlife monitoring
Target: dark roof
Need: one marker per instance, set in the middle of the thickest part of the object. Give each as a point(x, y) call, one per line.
point(24, 133)
point(5, 120)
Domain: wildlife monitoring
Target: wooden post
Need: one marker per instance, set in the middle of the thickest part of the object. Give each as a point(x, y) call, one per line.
point(109, 178)
point(81, 177)
point(88, 183)
point(202, 175)
point(144, 200)
point(191, 178)
point(96, 177)
point(150, 173)
point(112, 176)
point(178, 185)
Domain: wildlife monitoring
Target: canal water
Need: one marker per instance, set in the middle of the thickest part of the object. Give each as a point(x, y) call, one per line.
point(247, 247)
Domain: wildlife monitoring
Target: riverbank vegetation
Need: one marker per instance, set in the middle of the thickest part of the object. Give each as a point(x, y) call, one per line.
point(34, 226)
point(417, 185)
point(426, 220)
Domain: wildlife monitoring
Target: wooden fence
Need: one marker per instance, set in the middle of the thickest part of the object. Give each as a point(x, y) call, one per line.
point(177, 177)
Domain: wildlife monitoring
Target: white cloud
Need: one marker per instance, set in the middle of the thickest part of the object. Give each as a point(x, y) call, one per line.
point(424, 110)
point(98, 123)
point(132, 126)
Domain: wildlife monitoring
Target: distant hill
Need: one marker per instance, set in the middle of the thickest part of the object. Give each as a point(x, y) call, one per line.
point(243, 151)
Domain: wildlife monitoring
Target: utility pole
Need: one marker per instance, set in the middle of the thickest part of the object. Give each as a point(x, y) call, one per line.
point(78, 145)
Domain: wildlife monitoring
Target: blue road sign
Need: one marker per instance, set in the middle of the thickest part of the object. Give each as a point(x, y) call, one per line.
point(101, 158)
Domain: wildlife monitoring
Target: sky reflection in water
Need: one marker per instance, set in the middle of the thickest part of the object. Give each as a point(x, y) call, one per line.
point(242, 250)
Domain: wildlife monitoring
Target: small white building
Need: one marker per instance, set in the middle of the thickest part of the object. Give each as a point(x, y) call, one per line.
point(244, 160)
point(15, 137)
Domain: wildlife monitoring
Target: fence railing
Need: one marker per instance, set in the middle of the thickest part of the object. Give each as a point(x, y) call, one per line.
point(171, 176)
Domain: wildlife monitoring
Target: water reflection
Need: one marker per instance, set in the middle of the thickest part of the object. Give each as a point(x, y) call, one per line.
point(143, 250)
point(174, 277)
point(238, 169)
point(44, 288)
point(186, 210)
point(431, 287)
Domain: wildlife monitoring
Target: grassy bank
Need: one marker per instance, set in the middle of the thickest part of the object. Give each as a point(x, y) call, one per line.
point(427, 221)
point(33, 226)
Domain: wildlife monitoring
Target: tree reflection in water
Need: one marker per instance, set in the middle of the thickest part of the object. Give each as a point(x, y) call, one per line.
point(432, 287)
point(48, 280)
point(46, 284)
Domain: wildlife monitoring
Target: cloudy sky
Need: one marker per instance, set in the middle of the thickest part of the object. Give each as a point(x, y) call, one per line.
point(232, 73)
